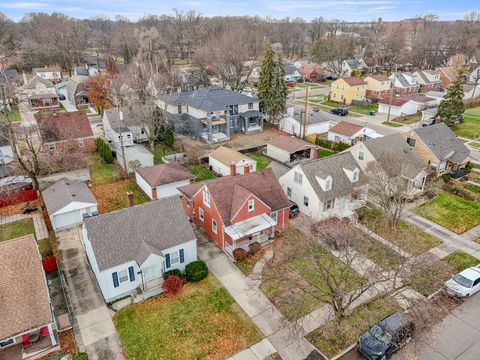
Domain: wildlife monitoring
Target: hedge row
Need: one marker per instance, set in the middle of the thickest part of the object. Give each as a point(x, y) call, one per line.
point(104, 150)
point(332, 145)
point(194, 271)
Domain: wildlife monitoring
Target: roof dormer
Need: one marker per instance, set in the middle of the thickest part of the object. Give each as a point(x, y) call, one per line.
point(326, 184)
point(353, 175)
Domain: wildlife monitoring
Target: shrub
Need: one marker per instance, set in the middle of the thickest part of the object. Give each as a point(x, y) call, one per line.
point(446, 177)
point(175, 272)
point(254, 248)
point(196, 271)
point(332, 145)
point(56, 356)
point(80, 356)
point(172, 284)
point(104, 150)
point(240, 254)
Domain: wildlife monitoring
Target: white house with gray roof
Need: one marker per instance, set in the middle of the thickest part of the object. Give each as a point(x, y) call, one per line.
point(327, 187)
point(129, 250)
point(212, 113)
point(67, 203)
point(124, 122)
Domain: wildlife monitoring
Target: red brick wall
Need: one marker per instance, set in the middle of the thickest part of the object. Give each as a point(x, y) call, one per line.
point(259, 208)
point(88, 146)
point(445, 80)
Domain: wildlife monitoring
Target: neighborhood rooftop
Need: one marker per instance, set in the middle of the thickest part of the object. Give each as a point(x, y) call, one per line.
point(64, 126)
point(353, 80)
point(289, 143)
point(64, 192)
point(158, 175)
point(212, 98)
point(132, 234)
point(227, 155)
point(346, 128)
point(23, 289)
point(131, 116)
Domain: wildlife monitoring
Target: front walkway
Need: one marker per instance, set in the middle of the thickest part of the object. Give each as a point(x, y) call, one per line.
point(41, 231)
point(280, 335)
point(93, 326)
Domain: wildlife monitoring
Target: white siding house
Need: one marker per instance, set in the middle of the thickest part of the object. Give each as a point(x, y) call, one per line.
point(222, 159)
point(126, 264)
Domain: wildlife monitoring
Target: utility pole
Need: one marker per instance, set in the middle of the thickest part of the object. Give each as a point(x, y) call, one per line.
point(305, 112)
point(477, 78)
point(392, 88)
point(120, 119)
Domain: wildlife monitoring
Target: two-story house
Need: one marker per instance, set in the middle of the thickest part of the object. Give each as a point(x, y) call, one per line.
point(405, 83)
point(326, 187)
point(378, 86)
point(348, 89)
point(124, 124)
point(39, 94)
point(448, 74)
point(236, 211)
point(350, 65)
point(439, 148)
point(77, 91)
point(429, 80)
point(212, 113)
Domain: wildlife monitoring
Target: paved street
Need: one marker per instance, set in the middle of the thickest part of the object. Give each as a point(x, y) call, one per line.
point(457, 337)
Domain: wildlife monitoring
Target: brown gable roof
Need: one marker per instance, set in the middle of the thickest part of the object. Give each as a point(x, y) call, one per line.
point(395, 101)
point(227, 155)
point(380, 77)
point(449, 72)
point(353, 81)
point(164, 174)
point(64, 126)
point(289, 143)
point(228, 192)
point(345, 128)
point(24, 298)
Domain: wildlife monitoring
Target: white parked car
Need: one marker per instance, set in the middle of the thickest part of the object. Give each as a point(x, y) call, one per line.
point(465, 283)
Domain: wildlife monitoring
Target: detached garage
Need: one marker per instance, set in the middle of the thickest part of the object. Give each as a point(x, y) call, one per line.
point(67, 202)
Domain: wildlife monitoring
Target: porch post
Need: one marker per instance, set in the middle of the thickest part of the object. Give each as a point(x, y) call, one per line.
point(52, 336)
point(227, 119)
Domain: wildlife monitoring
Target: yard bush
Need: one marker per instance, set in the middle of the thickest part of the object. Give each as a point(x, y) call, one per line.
point(56, 356)
point(172, 284)
point(175, 272)
point(80, 356)
point(240, 254)
point(254, 248)
point(332, 145)
point(104, 150)
point(196, 271)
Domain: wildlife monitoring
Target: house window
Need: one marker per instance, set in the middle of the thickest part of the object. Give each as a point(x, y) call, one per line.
point(361, 155)
point(411, 142)
point(200, 214)
point(51, 147)
point(252, 121)
point(298, 178)
point(273, 216)
point(251, 205)
point(206, 198)
point(129, 136)
point(289, 192)
point(214, 226)
point(328, 205)
point(355, 176)
point(7, 342)
point(81, 143)
point(174, 258)
point(305, 201)
point(179, 109)
point(123, 276)
point(328, 184)
point(250, 106)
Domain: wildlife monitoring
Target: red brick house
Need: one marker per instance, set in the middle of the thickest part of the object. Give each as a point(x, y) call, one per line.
point(448, 75)
point(66, 129)
point(235, 211)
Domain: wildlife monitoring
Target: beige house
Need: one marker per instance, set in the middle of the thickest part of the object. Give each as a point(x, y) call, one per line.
point(378, 86)
point(348, 89)
point(226, 161)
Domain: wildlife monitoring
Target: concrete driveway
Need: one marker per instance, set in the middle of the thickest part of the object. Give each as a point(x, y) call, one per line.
point(94, 329)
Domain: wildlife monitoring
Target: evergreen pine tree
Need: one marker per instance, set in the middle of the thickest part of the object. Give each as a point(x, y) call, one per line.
point(272, 90)
point(451, 108)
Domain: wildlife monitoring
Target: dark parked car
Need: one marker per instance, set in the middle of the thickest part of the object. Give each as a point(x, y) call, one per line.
point(386, 337)
point(332, 77)
point(339, 111)
point(428, 122)
point(294, 210)
point(61, 96)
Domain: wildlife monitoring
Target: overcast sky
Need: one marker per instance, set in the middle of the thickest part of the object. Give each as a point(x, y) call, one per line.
point(351, 10)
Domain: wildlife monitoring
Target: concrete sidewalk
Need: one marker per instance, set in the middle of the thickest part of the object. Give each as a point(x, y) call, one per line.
point(280, 335)
point(94, 329)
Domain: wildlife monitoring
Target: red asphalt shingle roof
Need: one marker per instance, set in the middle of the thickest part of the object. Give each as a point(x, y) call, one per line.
point(229, 193)
point(289, 143)
point(64, 126)
point(353, 81)
point(345, 128)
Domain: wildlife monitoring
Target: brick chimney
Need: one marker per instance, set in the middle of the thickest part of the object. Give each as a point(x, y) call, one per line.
point(233, 169)
point(314, 153)
point(154, 193)
point(131, 202)
point(246, 169)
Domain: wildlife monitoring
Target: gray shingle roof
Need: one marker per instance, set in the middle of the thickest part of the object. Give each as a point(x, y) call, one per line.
point(73, 83)
point(131, 116)
point(444, 143)
point(212, 98)
point(396, 144)
point(333, 166)
point(289, 68)
point(278, 169)
point(64, 192)
point(353, 63)
point(132, 234)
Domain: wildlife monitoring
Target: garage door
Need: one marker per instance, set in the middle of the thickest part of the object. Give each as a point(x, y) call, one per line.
point(67, 219)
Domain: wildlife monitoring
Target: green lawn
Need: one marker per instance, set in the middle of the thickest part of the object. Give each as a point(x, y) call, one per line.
point(410, 119)
point(262, 161)
point(160, 151)
point(460, 260)
point(379, 253)
point(473, 111)
point(203, 322)
point(469, 128)
point(363, 109)
point(16, 229)
point(324, 153)
point(391, 124)
point(474, 144)
point(452, 212)
point(336, 335)
point(201, 172)
point(408, 237)
point(101, 172)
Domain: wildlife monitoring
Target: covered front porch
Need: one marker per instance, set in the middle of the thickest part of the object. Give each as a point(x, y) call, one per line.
point(43, 102)
point(217, 133)
point(35, 343)
point(259, 229)
point(251, 121)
